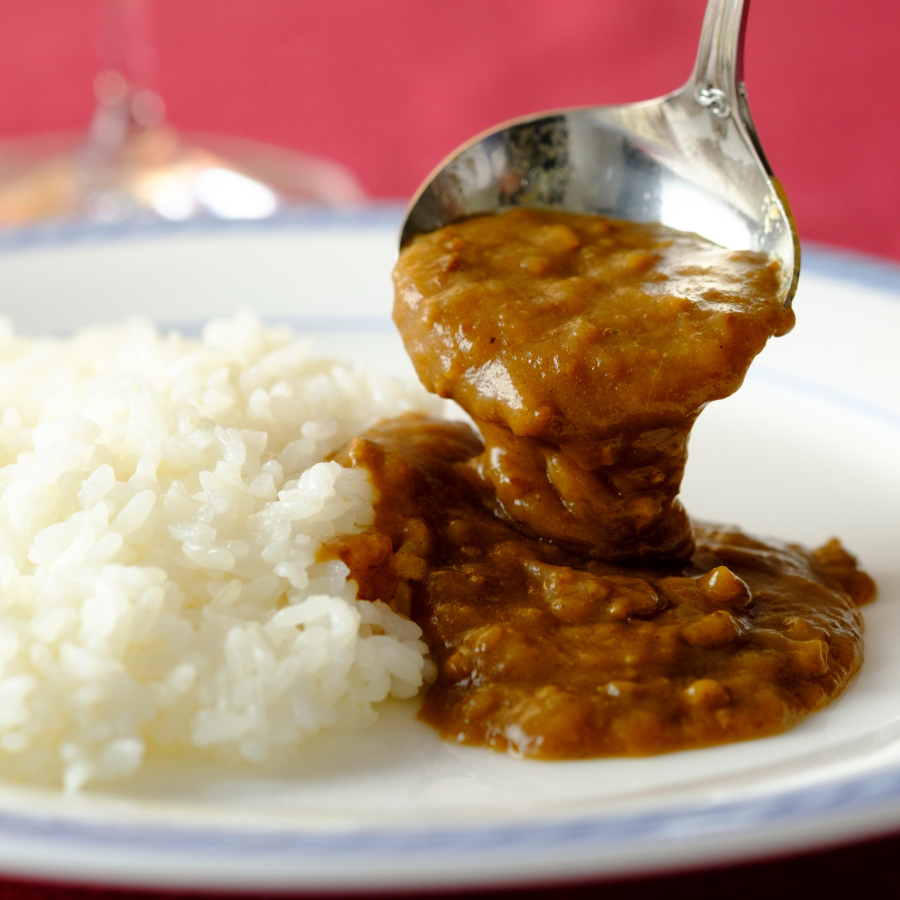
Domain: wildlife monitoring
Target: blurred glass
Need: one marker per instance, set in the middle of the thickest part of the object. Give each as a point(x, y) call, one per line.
point(133, 166)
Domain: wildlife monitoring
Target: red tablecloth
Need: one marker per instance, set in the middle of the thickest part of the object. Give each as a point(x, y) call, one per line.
point(388, 87)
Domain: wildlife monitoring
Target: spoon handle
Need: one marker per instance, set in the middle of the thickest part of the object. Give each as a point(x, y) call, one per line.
point(719, 69)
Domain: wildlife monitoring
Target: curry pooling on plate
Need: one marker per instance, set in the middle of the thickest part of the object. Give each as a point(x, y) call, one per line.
point(571, 606)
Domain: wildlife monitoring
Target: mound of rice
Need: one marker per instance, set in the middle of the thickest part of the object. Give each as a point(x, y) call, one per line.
point(161, 503)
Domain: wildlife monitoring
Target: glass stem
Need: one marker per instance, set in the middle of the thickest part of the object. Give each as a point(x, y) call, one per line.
point(126, 102)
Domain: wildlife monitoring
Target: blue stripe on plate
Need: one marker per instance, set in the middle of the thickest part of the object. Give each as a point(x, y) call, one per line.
point(376, 216)
point(847, 265)
point(812, 389)
point(405, 844)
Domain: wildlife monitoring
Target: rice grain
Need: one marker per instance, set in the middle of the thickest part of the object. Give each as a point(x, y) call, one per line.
point(162, 500)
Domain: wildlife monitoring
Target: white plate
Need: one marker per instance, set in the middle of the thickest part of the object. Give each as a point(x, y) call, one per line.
point(809, 448)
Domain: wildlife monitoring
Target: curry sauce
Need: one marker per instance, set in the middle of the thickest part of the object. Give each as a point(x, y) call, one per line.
point(584, 348)
point(571, 606)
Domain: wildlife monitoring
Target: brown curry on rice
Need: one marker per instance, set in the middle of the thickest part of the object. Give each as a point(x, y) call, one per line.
point(571, 606)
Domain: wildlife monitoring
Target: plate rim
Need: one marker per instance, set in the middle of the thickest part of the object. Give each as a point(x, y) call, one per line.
point(820, 258)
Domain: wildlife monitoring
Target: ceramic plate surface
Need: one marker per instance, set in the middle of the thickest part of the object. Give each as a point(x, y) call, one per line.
point(809, 448)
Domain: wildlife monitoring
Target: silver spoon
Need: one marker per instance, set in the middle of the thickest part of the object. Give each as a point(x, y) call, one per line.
point(690, 160)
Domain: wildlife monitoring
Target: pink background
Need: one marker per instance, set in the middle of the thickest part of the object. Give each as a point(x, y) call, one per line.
point(388, 87)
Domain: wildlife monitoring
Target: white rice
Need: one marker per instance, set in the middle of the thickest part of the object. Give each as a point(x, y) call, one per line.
point(161, 503)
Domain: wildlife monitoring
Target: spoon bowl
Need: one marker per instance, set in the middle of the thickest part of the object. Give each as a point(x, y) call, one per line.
point(690, 160)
